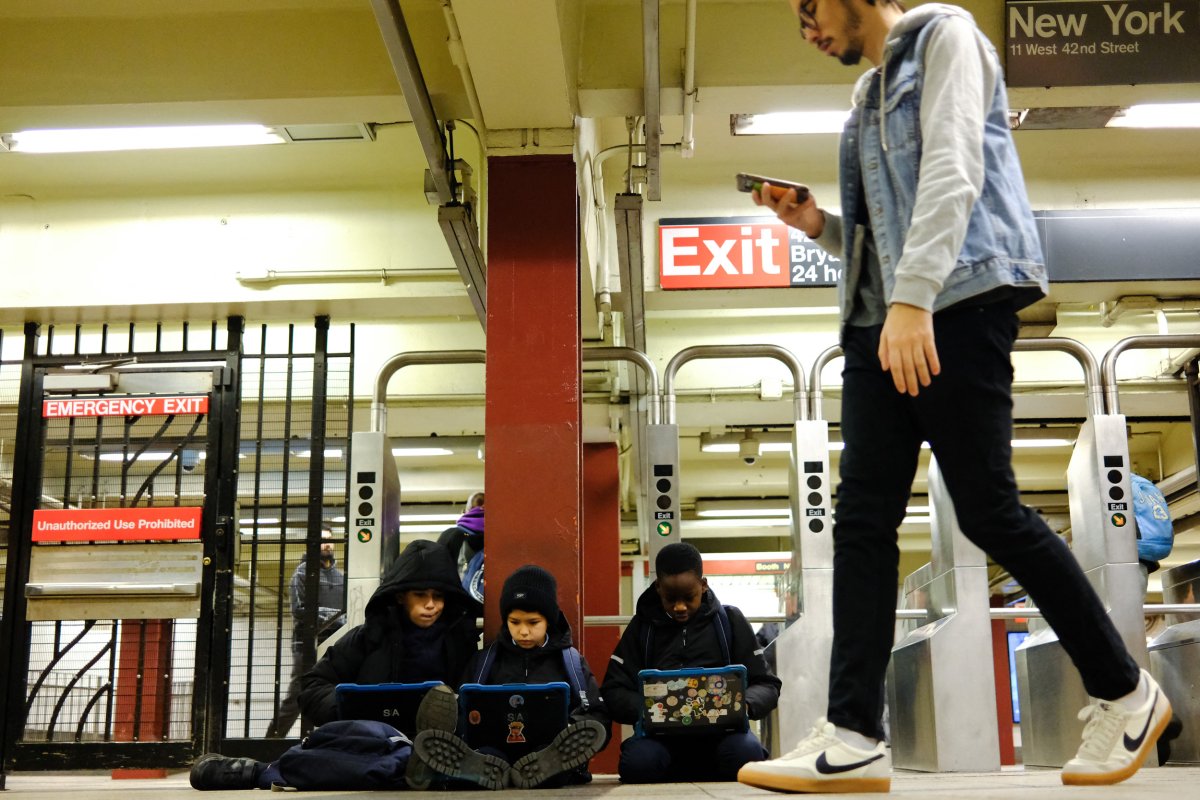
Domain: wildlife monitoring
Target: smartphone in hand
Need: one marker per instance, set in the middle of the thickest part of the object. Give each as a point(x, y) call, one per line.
point(747, 183)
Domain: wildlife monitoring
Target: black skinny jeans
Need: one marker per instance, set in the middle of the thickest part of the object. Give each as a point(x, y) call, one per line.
point(966, 416)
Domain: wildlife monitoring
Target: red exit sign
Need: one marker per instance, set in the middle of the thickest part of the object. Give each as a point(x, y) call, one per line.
point(740, 253)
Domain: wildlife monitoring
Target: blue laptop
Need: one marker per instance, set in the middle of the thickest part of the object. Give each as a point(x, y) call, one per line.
point(513, 718)
point(393, 703)
point(694, 701)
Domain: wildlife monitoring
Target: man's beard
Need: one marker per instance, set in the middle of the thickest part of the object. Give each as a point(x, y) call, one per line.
point(854, 45)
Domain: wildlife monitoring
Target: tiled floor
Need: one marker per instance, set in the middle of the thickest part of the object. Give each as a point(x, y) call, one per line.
point(1172, 782)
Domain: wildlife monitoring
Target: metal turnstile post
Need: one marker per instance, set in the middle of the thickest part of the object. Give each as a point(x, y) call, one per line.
point(940, 722)
point(803, 647)
point(1049, 688)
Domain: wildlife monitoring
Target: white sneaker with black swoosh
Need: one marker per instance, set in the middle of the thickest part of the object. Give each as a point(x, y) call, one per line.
point(823, 763)
point(1117, 740)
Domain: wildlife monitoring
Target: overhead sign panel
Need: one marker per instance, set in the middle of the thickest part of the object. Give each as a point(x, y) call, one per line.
point(1101, 42)
point(740, 253)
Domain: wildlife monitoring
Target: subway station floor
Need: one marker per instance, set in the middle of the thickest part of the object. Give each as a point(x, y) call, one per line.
point(1174, 782)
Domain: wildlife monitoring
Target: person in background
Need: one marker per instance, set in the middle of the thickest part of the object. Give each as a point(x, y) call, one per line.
point(330, 617)
point(680, 615)
point(940, 252)
point(464, 540)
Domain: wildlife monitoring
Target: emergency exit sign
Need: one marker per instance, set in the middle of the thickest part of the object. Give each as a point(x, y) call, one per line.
point(1101, 42)
point(124, 406)
point(740, 253)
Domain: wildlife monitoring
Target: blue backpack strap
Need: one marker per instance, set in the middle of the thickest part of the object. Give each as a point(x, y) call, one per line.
point(725, 633)
point(574, 666)
point(485, 669)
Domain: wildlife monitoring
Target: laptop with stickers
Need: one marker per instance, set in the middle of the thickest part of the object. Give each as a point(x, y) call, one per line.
point(393, 703)
point(694, 701)
point(514, 718)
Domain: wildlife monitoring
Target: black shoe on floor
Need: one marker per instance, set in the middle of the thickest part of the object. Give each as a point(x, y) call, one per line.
point(215, 772)
point(449, 755)
point(438, 712)
point(573, 747)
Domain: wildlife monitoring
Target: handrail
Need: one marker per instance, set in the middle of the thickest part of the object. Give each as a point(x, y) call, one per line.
point(1149, 610)
point(654, 407)
point(1091, 374)
point(1108, 375)
point(734, 351)
point(398, 362)
point(815, 395)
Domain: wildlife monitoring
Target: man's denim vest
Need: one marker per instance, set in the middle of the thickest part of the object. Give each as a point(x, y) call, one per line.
point(1001, 248)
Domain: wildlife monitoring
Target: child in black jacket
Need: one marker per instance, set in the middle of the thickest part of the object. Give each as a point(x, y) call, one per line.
point(681, 613)
point(531, 652)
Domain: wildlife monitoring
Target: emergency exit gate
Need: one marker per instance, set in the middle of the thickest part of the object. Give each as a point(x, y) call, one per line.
point(123, 619)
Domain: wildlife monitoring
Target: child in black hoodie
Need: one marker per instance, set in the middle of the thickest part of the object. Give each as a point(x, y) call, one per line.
point(420, 626)
point(528, 650)
point(681, 613)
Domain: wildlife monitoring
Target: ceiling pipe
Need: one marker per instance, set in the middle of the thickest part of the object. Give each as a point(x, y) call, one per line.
point(403, 55)
point(651, 95)
point(689, 81)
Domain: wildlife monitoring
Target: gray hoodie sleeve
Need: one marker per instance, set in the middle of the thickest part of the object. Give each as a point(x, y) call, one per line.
point(960, 79)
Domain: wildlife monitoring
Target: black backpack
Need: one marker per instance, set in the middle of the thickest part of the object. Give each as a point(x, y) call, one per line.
point(347, 754)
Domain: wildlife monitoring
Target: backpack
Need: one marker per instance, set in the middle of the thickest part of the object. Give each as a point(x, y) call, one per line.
point(348, 754)
point(1155, 536)
point(724, 636)
point(571, 663)
point(472, 580)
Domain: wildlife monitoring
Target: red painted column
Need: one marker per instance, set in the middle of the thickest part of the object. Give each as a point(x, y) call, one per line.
point(534, 463)
point(143, 691)
point(602, 571)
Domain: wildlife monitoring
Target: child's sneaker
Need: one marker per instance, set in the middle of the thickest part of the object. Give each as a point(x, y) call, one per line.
point(574, 746)
point(438, 711)
point(823, 763)
point(451, 756)
point(1116, 740)
point(215, 772)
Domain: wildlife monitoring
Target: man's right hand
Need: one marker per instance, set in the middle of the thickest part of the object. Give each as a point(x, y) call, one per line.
point(804, 216)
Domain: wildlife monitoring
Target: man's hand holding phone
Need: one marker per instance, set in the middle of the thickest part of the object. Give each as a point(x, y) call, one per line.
point(791, 202)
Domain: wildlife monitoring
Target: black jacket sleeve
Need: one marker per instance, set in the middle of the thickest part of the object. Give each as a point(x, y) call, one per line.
point(621, 691)
point(340, 664)
point(597, 709)
point(762, 691)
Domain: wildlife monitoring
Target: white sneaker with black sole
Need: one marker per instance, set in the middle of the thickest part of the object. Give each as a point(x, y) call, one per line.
point(1116, 740)
point(823, 763)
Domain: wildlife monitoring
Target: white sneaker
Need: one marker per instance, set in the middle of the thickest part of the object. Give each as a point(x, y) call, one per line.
point(823, 763)
point(1116, 740)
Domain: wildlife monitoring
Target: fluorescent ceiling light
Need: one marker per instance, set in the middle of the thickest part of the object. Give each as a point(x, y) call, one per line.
point(1042, 443)
point(94, 140)
point(761, 522)
point(330, 452)
point(788, 122)
point(1158, 115)
point(451, 518)
point(422, 528)
point(732, 447)
point(149, 455)
point(260, 521)
point(406, 452)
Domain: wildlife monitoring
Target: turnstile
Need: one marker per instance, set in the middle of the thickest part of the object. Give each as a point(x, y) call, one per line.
point(1102, 531)
point(663, 441)
point(939, 721)
point(803, 647)
point(373, 542)
point(1175, 660)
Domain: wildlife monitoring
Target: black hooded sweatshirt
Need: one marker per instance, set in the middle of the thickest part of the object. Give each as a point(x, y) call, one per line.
point(543, 664)
point(675, 645)
point(387, 648)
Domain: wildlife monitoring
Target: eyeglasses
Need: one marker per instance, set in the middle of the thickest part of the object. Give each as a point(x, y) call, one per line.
point(806, 11)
